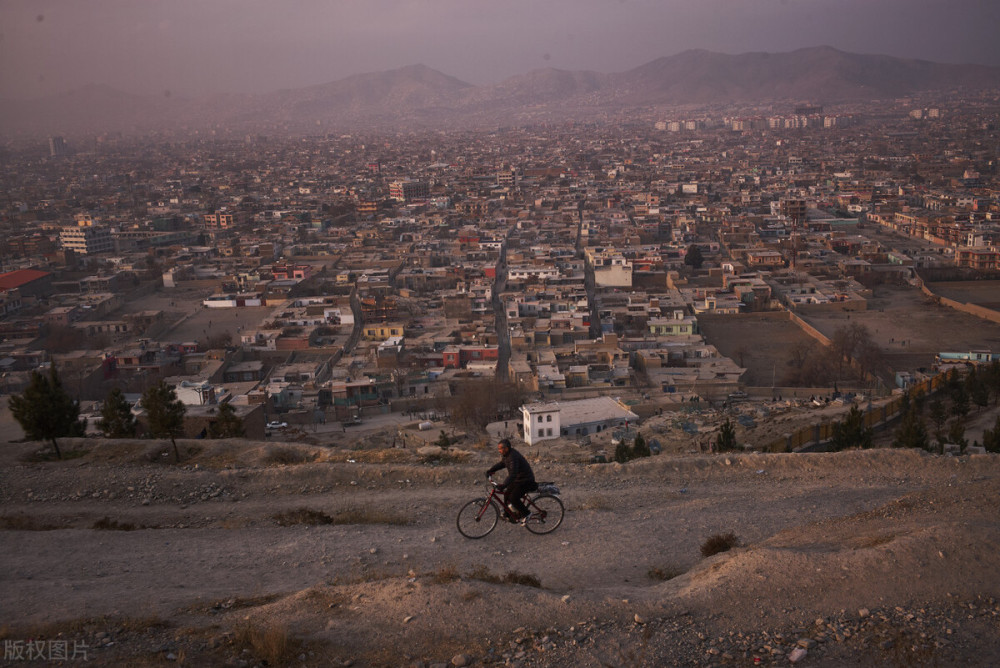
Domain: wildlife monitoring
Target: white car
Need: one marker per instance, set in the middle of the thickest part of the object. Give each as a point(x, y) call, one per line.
point(275, 424)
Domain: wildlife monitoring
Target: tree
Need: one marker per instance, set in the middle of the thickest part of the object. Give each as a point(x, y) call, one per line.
point(639, 447)
point(622, 452)
point(851, 432)
point(956, 434)
point(693, 257)
point(116, 420)
point(938, 416)
point(726, 439)
point(443, 440)
point(46, 411)
point(911, 433)
point(227, 425)
point(164, 414)
point(991, 438)
point(959, 401)
point(978, 388)
point(992, 377)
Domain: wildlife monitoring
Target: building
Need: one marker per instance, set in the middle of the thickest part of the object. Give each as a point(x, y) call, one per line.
point(224, 220)
point(28, 282)
point(87, 240)
point(57, 146)
point(407, 191)
point(545, 421)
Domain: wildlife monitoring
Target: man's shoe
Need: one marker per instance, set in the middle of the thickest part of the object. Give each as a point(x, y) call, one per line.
point(530, 517)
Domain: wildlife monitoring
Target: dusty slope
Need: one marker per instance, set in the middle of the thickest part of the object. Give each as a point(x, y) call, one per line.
point(907, 537)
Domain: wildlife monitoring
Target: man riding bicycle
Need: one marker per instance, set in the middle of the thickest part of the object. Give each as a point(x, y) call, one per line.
point(520, 479)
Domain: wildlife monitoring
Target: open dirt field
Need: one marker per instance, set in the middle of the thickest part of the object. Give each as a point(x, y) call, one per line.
point(856, 558)
point(983, 293)
point(909, 327)
point(760, 342)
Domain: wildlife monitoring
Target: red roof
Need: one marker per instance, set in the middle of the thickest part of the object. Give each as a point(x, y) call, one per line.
point(15, 279)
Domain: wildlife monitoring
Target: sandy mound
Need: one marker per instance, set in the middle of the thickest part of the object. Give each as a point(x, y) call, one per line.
point(304, 555)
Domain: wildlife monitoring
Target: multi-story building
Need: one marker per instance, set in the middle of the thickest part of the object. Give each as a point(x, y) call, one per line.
point(87, 240)
point(224, 220)
point(407, 191)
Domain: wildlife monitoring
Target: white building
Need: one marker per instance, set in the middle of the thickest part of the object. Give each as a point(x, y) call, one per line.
point(544, 421)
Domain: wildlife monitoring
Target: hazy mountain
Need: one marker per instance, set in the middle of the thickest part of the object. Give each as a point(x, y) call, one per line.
point(820, 74)
point(418, 96)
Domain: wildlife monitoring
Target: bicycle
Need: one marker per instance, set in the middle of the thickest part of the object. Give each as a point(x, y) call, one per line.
point(479, 517)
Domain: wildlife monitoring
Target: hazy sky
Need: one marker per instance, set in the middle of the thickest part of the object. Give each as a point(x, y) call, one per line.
point(193, 47)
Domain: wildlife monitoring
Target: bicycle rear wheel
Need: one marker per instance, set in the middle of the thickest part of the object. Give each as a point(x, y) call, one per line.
point(477, 518)
point(549, 513)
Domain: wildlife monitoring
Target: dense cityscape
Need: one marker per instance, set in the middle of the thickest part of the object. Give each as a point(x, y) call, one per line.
point(762, 335)
point(567, 261)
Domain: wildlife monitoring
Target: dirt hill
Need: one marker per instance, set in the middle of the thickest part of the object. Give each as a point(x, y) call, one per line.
point(302, 555)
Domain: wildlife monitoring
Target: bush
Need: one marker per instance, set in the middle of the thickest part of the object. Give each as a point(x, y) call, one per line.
point(625, 453)
point(726, 440)
point(622, 452)
point(719, 543)
point(270, 643)
point(639, 447)
point(108, 524)
point(306, 516)
point(663, 574)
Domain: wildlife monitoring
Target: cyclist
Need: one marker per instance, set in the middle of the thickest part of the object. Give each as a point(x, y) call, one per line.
point(520, 479)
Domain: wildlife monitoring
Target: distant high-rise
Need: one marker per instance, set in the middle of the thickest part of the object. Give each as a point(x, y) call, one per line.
point(407, 191)
point(57, 146)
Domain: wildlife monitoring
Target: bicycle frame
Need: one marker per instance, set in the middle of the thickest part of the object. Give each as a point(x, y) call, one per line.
point(479, 517)
point(496, 497)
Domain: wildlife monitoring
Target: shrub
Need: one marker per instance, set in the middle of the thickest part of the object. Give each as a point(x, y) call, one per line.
point(108, 524)
point(663, 574)
point(726, 440)
point(639, 447)
point(622, 452)
point(269, 643)
point(285, 456)
point(524, 579)
point(311, 517)
point(447, 573)
point(23, 522)
point(306, 516)
point(483, 574)
point(625, 453)
point(719, 543)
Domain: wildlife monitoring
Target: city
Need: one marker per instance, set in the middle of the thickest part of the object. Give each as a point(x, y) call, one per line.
point(717, 283)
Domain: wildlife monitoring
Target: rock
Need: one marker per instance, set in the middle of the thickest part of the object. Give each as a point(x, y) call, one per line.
point(461, 660)
point(639, 619)
point(806, 643)
point(863, 612)
point(797, 654)
point(407, 619)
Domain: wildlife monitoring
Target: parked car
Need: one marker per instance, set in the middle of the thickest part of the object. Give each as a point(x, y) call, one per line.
point(276, 424)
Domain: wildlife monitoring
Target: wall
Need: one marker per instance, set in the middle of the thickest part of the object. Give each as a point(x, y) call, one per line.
point(972, 309)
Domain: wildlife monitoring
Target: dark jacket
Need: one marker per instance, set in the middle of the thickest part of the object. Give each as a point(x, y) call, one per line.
point(518, 469)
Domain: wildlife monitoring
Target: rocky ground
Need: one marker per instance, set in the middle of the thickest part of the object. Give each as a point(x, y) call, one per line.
point(288, 554)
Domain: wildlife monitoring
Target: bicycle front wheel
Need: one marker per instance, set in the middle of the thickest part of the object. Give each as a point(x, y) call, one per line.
point(477, 518)
point(548, 511)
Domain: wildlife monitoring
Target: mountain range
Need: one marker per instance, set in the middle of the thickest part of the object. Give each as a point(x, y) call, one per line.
point(420, 97)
